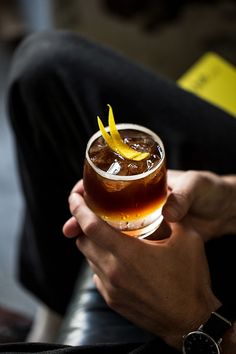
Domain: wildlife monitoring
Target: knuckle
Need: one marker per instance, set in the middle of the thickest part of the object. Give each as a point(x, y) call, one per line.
point(200, 177)
point(112, 304)
point(192, 175)
point(75, 210)
point(113, 299)
point(115, 277)
point(91, 227)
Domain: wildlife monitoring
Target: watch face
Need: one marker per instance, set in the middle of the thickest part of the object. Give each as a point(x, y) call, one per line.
point(200, 343)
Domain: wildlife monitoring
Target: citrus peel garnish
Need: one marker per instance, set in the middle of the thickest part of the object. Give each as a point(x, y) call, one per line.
point(115, 142)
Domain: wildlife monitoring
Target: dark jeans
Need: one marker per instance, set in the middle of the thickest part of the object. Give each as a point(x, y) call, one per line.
point(59, 83)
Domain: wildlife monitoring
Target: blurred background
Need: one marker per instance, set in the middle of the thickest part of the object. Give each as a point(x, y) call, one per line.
point(168, 38)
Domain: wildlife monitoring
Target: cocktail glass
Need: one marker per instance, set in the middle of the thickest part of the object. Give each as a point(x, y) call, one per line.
point(128, 195)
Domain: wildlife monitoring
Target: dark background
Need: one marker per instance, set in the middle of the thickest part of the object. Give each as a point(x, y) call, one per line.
point(166, 37)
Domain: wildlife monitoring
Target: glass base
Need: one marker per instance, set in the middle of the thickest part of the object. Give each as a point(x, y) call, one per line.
point(140, 228)
point(145, 231)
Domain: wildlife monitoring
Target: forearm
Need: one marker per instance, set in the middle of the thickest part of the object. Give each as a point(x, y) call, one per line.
point(229, 341)
point(230, 217)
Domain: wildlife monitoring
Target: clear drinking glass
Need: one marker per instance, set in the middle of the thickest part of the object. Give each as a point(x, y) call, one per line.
point(127, 194)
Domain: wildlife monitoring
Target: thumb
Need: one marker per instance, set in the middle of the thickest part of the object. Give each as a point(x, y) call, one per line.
point(176, 206)
point(182, 196)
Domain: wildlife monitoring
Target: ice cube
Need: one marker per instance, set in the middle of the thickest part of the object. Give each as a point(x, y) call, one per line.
point(112, 186)
point(114, 169)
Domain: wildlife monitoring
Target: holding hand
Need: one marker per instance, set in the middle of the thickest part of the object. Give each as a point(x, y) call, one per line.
point(162, 286)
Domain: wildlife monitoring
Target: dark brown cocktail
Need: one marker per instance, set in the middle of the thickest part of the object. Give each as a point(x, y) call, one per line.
point(127, 194)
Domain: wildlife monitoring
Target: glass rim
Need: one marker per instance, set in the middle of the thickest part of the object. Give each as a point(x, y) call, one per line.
point(123, 126)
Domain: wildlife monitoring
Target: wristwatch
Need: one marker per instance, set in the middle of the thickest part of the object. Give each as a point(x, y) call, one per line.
point(207, 339)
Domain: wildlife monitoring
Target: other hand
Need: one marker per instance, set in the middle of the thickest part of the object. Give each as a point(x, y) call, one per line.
point(201, 199)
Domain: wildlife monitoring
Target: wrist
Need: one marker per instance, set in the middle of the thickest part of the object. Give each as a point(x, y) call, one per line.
point(199, 314)
point(216, 335)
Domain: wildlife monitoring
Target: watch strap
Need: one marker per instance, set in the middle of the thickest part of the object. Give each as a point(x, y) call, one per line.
point(217, 324)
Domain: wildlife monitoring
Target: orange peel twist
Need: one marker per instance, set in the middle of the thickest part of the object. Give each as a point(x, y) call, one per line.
point(115, 142)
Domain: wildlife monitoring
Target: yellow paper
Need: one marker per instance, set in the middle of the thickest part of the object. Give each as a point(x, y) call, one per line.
point(213, 79)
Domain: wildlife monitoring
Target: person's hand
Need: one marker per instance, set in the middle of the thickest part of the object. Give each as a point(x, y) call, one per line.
point(203, 200)
point(162, 286)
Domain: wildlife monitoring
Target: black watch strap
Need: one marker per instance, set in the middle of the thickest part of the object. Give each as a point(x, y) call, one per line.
point(217, 324)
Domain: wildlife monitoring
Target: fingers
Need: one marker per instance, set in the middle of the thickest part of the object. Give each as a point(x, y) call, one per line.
point(100, 287)
point(71, 228)
point(79, 187)
point(93, 227)
point(94, 253)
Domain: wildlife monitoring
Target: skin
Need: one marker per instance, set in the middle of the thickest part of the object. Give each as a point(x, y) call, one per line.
point(175, 296)
point(204, 200)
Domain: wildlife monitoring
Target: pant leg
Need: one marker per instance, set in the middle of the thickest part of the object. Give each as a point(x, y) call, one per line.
point(58, 84)
point(154, 346)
